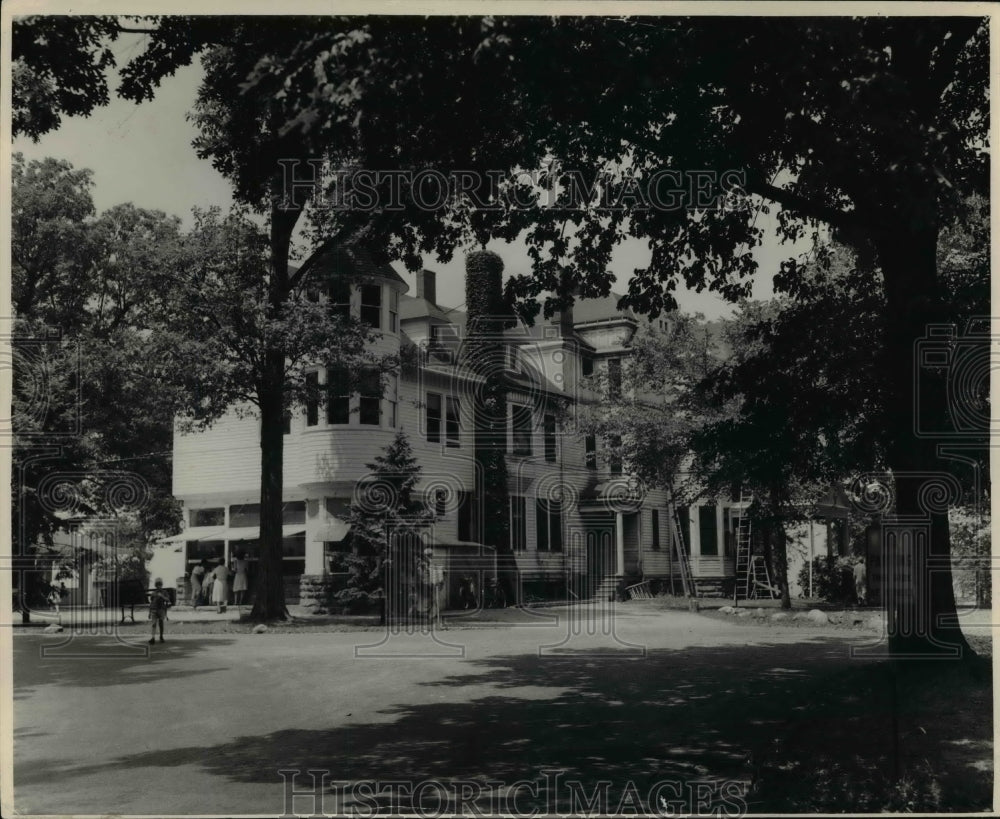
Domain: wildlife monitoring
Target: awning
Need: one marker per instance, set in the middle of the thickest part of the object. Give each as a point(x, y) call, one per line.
point(230, 533)
point(198, 533)
point(253, 532)
point(333, 532)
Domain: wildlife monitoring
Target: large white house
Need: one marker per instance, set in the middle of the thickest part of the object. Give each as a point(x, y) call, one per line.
point(579, 526)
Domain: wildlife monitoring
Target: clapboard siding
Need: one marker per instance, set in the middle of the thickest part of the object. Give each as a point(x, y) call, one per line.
point(224, 457)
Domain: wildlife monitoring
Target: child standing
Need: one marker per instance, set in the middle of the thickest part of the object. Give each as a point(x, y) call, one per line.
point(158, 605)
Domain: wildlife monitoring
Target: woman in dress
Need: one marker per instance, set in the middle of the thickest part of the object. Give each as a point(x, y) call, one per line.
point(240, 581)
point(220, 583)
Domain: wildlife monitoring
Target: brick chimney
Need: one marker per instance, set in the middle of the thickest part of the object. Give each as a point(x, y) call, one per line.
point(427, 285)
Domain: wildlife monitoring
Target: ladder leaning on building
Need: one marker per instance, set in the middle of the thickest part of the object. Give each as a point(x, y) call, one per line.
point(681, 551)
point(752, 577)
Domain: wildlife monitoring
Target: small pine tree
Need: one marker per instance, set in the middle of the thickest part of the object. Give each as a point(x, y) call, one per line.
point(383, 511)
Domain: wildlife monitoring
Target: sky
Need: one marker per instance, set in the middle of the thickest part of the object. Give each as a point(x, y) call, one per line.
point(143, 154)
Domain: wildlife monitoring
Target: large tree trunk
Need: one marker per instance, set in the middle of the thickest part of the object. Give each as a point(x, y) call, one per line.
point(922, 601)
point(779, 561)
point(269, 600)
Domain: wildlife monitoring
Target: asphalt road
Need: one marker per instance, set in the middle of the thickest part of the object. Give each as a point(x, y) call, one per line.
point(203, 724)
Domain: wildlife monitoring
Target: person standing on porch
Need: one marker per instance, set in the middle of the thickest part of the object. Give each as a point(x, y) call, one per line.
point(240, 581)
point(220, 586)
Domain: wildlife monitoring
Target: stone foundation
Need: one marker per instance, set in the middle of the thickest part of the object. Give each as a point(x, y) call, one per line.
point(315, 593)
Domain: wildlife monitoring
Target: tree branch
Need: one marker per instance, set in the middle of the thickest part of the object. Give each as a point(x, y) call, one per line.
point(846, 220)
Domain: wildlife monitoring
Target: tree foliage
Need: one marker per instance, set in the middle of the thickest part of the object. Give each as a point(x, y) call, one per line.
point(387, 518)
point(648, 417)
point(85, 294)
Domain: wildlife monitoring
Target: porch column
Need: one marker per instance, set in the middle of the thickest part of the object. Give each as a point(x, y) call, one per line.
point(619, 543)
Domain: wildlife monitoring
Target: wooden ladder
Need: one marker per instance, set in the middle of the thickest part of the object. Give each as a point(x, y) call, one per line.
point(744, 576)
point(680, 549)
point(760, 579)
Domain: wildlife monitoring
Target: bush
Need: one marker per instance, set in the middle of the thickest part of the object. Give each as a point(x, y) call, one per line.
point(833, 580)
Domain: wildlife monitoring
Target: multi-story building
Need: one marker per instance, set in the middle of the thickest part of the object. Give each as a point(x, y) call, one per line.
point(579, 525)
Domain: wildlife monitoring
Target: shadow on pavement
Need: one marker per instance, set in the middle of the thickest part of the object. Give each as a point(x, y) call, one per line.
point(103, 661)
point(802, 725)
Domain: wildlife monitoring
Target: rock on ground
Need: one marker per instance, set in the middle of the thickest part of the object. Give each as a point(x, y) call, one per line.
point(53, 628)
point(259, 629)
point(818, 617)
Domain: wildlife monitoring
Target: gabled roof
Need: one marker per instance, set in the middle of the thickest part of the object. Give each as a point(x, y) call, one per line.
point(353, 261)
point(411, 307)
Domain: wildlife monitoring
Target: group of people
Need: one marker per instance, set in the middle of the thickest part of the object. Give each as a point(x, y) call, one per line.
point(210, 585)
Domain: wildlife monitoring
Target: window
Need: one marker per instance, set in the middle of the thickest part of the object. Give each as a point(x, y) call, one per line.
point(550, 438)
point(510, 358)
point(452, 423)
point(393, 310)
point(207, 517)
point(339, 299)
point(656, 529)
point(440, 503)
point(708, 530)
point(312, 399)
point(394, 402)
point(339, 508)
point(548, 525)
point(370, 388)
point(614, 378)
point(293, 552)
point(590, 451)
point(286, 423)
point(247, 514)
point(587, 366)
point(518, 524)
point(293, 512)
point(468, 519)
point(521, 424)
point(684, 521)
point(338, 399)
point(434, 417)
point(614, 455)
point(444, 342)
point(371, 305)
point(211, 550)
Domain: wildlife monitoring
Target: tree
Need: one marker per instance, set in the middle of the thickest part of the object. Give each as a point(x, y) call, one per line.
point(248, 115)
point(647, 417)
point(387, 520)
point(218, 326)
point(806, 393)
point(803, 400)
point(84, 291)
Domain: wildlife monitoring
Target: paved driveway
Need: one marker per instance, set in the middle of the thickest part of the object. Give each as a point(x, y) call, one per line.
point(205, 724)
